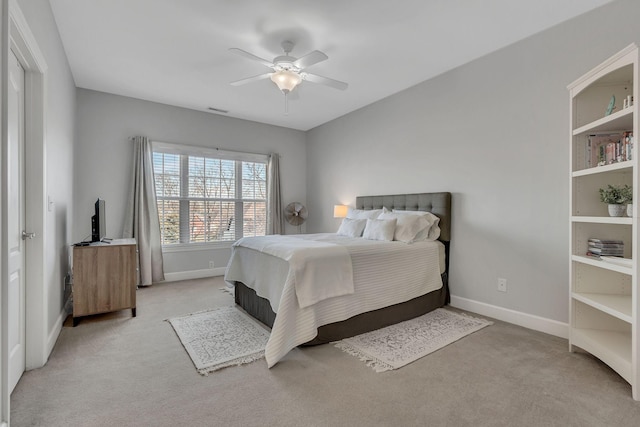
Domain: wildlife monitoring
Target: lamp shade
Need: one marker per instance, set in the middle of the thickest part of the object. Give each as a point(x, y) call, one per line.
point(340, 211)
point(286, 80)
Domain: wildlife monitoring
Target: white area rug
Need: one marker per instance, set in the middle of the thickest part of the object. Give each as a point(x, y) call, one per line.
point(220, 337)
point(400, 344)
point(229, 290)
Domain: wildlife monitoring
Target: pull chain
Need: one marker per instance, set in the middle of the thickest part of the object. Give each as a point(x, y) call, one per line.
point(286, 104)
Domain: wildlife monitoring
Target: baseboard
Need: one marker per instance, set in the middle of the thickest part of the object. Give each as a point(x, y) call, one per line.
point(194, 274)
point(537, 323)
point(51, 339)
point(55, 333)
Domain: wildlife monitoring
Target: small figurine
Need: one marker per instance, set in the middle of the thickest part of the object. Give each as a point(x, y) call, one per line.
point(612, 105)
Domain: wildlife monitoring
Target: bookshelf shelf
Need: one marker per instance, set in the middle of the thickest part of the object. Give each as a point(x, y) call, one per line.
point(622, 119)
point(603, 219)
point(601, 264)
point(615, 305)
point(603, 169)
point(604, 293)
point(612, 347)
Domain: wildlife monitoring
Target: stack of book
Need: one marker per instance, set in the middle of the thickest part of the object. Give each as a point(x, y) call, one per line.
point(608, 248)
point(606, 149)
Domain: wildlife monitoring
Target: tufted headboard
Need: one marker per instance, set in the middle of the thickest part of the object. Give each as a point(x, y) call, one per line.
point(437, 203)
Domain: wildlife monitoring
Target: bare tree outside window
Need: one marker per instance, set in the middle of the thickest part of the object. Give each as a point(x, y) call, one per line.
point(254, 194)
point(166, 170)
point(206, 199)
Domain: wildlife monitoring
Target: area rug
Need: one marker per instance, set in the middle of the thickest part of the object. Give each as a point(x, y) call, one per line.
point(219, 338)
point(228, 290)
point(400, 344)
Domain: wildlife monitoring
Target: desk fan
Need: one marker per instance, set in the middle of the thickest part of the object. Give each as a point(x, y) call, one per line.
point(296, 214)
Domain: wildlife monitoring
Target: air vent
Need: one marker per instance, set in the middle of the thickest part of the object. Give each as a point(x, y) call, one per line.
point(218, 110)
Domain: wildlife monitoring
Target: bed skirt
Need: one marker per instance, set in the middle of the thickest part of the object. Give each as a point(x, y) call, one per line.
point(260, 309)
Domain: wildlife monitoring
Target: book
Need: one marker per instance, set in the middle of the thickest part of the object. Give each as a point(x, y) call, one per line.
point(628, 144)
point(610, 153)
point(609, 148)
point(599, 251)
point(605, 241)
point(605, 247)
point(597, 148)
point(606, 244)
point(606, 253)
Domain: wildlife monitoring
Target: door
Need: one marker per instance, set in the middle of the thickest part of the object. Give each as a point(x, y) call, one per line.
point(16, 220)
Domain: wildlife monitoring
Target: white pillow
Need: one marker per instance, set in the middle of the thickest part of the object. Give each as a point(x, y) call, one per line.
point(363, 214)
point(433, 232)
point(352, 227)
point(408, 227)
point(380, 229)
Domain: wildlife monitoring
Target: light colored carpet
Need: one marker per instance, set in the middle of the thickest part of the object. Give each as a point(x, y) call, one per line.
point(220, 338)
point(398, 345)
point(116, 370)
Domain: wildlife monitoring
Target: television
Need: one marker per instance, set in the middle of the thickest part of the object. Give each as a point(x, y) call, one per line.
point(98, 222)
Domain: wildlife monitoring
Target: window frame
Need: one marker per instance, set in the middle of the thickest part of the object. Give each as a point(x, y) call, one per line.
point(216, 153)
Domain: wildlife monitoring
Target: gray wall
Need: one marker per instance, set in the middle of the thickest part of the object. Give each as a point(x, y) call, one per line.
point(494, 132)
point(103, 158)
point(59, 144)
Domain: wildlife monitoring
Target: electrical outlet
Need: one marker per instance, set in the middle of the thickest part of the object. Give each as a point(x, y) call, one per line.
point(502, 284)
point(67, 281)
point(211, 265)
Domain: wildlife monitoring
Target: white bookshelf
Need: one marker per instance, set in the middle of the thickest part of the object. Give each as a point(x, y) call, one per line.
point(616, 305)
point(604, 296)
point(612, 347)
point(601, 264)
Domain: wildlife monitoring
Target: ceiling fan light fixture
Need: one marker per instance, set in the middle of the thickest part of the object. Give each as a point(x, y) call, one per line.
point(286, 80)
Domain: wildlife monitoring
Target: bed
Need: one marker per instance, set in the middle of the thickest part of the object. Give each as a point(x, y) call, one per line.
point(316, 324)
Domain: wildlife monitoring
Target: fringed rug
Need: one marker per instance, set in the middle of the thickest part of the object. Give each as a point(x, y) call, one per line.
point(219, 338)
point(228, 290)
point(400, 344)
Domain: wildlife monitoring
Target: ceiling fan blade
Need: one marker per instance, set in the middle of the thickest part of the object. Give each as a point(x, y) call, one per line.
point(310, 59)
point(251, 79)
point(251, 56)
point(314, 78)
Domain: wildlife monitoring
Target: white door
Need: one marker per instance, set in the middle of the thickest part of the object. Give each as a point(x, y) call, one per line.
point(15, 218)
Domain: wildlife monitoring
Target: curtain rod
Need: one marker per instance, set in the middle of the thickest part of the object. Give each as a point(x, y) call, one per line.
point(131, 138)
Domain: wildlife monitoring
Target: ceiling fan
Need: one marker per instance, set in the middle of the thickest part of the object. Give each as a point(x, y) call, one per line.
point(288, 71)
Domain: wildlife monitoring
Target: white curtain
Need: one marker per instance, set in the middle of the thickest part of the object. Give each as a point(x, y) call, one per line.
point(275, 219)
point(141, 221)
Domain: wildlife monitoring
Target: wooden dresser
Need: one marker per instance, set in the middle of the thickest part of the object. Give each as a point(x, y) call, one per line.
point(104, 278)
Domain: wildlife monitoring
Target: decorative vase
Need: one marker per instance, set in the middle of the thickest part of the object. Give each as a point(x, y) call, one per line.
point(617, 210)
point(630, 210)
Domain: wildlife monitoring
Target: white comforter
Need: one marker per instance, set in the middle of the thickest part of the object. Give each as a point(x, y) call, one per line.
point(319, 270)
point(384, 273)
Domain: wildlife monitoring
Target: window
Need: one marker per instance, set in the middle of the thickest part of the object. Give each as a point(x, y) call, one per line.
point(206, 195)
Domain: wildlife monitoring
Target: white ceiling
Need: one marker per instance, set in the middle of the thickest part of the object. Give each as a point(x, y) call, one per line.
point(176, 51)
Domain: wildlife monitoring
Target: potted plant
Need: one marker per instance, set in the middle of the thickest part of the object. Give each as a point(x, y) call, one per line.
point(628, 194)
point(617, 197)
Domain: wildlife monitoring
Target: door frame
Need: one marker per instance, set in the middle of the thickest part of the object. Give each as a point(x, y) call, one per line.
point(17, 36)
point(24, 45)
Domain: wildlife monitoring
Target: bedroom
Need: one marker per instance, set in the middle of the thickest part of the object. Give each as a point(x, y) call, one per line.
point(485, 116)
